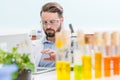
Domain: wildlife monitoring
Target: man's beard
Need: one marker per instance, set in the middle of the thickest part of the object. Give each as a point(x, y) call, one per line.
point(51, 32)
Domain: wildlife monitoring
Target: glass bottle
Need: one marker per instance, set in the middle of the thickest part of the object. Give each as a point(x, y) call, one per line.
point(107, 54)
point(115, 52)
point(98, 49)
point(62, 61)
point(78, 51)
point(87, 61)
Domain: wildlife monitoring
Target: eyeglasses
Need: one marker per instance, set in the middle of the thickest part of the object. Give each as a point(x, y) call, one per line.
point(51, 22)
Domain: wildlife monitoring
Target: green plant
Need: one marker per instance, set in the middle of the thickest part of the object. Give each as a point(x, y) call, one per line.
point(13, 57)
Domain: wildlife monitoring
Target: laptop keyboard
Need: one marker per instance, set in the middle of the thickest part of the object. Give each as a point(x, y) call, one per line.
point(41, 70)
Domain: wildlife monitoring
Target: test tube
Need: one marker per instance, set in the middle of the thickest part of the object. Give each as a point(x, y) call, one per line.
point(107, 54)
point(59, 52)
point(98, 54)
point(62, 65)
point(87, 62)
point(114, 50)
point(78, 56)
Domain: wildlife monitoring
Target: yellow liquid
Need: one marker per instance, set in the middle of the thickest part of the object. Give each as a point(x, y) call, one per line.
point(66, 71)
point(63, 70)
point(98, 65)
point(86, 67)
point(59, 71)
point(77, 72)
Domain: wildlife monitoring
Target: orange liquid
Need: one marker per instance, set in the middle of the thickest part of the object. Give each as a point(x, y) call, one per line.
point(98, 64)
point(107, 72)
point(116, 65)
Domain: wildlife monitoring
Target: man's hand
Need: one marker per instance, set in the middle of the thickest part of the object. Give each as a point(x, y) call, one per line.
point(51, 54)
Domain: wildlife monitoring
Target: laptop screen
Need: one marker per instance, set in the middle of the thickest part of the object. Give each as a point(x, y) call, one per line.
point(22, 41)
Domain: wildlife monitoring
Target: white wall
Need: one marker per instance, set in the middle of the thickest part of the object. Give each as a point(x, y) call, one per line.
point(87, 15)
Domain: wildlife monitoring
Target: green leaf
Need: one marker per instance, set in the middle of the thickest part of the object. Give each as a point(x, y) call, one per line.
point(30, 66)
point(14, 49)
point(15, 75)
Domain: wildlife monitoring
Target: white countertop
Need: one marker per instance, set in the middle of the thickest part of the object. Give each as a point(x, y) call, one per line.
point(52, 76)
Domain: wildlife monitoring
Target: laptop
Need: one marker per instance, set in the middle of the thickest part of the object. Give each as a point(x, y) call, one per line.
point(24, 44)
point(22, 41)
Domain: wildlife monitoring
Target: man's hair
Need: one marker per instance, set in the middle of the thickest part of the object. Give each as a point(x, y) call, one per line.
point(53, 7)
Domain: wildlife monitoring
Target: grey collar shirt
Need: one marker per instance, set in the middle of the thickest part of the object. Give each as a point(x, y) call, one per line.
point(37, 57)
point(47, 45)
